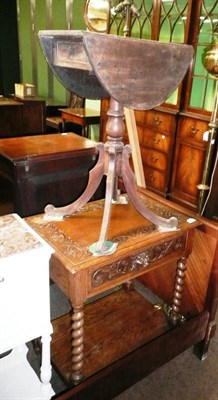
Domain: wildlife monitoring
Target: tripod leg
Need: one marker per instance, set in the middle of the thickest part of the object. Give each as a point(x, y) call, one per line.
point(128, 176)
point(95, 176)
point(103, 247)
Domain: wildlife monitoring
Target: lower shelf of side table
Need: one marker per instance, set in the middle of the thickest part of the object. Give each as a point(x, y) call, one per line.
point(115, 326)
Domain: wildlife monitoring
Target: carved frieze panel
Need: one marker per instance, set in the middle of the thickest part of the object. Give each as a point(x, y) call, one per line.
point(138, 261)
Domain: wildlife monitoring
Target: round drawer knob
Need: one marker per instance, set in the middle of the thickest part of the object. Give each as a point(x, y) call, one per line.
point(156, 139)
point(157, 120)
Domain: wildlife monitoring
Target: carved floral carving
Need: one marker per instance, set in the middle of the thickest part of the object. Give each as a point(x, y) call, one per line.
point(80, 249)
point(137, 261)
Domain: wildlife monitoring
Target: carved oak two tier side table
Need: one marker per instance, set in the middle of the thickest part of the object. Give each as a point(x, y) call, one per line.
point(81, 344)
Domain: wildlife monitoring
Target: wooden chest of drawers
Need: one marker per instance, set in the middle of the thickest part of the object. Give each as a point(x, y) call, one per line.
point(191, 144)
point(156, 138)
point(156, 131)
point(173, 146)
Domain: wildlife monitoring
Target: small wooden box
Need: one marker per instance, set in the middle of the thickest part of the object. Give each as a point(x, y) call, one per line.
point(25, 90)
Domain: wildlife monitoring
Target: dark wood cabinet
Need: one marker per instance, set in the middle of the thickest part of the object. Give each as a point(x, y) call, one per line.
point(21, 116)
point(43, 169)
point(9, 47)
point(33, 115)
point(10, 117)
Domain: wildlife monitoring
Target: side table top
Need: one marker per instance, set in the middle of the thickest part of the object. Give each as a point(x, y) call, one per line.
point(41, 145)
point(72, 237)
point(7, 101)
point(81, 112)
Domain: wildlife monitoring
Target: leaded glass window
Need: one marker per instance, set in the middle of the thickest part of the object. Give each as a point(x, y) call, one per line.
point(141, 18)
point(203, 84)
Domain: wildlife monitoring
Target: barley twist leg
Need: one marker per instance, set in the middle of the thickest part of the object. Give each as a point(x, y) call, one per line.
point(178, 291)
point(77, 344)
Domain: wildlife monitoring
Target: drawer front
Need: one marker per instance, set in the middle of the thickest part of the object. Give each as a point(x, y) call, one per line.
point(154, 159)
point(140, 117)
point(193, 130)
point(154, 140)
point(155, 179)
point(188, 171)
point(159, 121)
